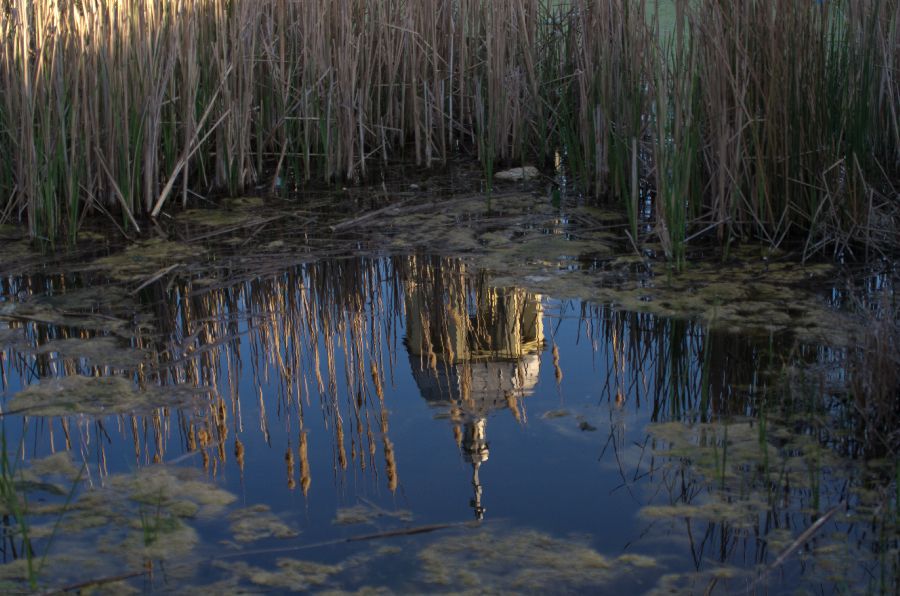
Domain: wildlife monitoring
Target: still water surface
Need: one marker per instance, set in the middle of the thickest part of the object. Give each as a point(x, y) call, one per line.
point(399, 424)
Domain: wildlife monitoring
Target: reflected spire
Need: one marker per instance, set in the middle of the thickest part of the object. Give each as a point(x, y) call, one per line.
point(474, 349)
point(476, 451)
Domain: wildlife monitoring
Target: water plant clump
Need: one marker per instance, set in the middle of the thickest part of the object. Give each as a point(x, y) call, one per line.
point(290, 574)
point(522, 561)
point(81, 534)
point(368, 513)
point(258, 522)
point(98, 351)
point(98, 396)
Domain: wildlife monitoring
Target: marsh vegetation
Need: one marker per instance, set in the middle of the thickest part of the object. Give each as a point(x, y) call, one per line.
point(759, 119)
point(449, 295)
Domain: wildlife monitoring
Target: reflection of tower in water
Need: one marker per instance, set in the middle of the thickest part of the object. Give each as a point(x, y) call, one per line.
point(474, 350)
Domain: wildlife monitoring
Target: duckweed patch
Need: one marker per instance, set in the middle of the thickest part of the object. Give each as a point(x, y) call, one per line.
point(14, 250)
point(519, 229)
point(147, 515)
point(17, 571)
point(363, 591)
point(165, 486)
point(297, 574)
point(537, 251)
point(154, 536)
point(64, 569)
point(737, 515)
point(514, 174)
point(738, 451)
point(215, 218)
point(428, 229)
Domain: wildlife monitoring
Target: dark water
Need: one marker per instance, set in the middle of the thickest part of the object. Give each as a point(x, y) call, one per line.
point(402, 400)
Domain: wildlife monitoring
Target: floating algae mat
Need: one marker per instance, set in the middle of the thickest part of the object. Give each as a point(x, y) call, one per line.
point(523, 406)
point(523, 561)
point(143, 258)
point(77, 394)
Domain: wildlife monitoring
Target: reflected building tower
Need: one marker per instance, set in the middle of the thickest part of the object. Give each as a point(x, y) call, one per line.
point(473, 350)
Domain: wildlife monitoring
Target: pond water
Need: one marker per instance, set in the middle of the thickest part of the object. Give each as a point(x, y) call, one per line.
point(414, 423)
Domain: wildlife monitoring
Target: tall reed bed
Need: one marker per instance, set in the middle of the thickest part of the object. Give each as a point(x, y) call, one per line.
point(610, 54)
point(759, 119)
point(797, 105)
point(122, 106)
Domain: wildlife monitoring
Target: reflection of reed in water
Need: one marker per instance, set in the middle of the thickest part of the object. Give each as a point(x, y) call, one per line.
point(473, 349)
point(322, 328)
point(316, 330)
point(325, 330)
point(328, 331)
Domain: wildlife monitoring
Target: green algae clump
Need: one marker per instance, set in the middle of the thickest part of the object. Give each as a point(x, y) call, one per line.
point(59, 464)
point(143, 259)
point(368, 513)
point(95, 396)
point(291, 574)
point(257, 523)
point(128, 522)
point(524, 560)
point(100, 351)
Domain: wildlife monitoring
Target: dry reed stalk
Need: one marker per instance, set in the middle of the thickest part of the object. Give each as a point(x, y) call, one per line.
point(794, 94)
point(103, 100)
point(118, 106)
point(610, 46)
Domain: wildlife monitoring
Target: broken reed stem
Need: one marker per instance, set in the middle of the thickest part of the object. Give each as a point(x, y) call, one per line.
point(773, 118)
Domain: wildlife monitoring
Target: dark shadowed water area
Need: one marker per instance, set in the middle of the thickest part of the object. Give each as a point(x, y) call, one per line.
point(435, 397)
